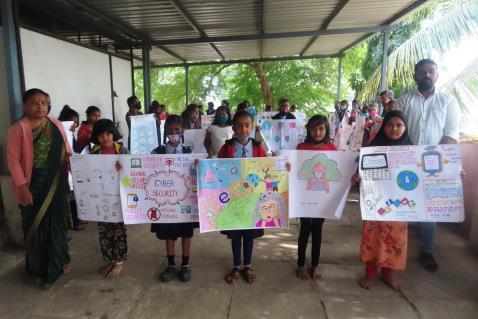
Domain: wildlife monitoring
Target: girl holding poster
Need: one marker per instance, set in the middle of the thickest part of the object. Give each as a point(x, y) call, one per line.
point(242, 146)
point(317, 139)
point(384, 244)
point(170, 232)
point(113, 242)
point(219, 131)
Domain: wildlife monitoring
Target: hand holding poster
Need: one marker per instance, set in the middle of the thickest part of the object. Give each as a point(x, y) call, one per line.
point(411, 183)
point(144, 136)
point(159, 188)
point(96, 185)
point(321, 182)
point(243, 193)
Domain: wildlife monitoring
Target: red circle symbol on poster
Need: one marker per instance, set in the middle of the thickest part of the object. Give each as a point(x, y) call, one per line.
point(154, 214)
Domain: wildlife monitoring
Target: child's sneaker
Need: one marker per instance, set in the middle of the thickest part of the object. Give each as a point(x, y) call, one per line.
point(185, 273)
point(168, 274)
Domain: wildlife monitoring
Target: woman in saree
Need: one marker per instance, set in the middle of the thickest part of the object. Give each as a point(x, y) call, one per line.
point(36, 153)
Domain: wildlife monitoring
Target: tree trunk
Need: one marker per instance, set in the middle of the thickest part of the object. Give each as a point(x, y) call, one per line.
point(265, 87)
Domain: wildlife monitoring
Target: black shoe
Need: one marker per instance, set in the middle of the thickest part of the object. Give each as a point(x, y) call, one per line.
point(428, 262)
point(185, 274)
point(168, 274)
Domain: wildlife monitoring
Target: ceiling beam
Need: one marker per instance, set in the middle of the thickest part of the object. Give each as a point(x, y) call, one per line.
point(285, 58)
point(389, 21)
point(340, 5)
point(190, 20)
point(97, 21)
point(405, 11)
point(266, 36)
point(261, 23)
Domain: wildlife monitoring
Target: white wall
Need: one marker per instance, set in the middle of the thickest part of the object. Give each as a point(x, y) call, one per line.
point(4, 107)
point(73, 74)
point(123, 88)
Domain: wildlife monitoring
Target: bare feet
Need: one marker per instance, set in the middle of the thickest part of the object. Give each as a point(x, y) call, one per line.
point(366, 282)
point(302, 273)
point(315, 273)
point(391, 281)
point(115, 271)
point(105, 269)
point(66, 269)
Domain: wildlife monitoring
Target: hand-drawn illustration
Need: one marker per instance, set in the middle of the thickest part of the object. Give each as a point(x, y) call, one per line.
point(319, 171)
point(321, 181)
point(95, 180)
point(160, 190)
point(143, 136)
point(242, 193)
point(426, 183)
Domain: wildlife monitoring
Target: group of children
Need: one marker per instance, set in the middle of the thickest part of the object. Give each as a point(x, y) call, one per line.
point(383, 246)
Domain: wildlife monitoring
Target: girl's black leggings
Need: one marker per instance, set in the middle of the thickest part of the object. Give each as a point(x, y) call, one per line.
point(247, 243)
point(308, 226)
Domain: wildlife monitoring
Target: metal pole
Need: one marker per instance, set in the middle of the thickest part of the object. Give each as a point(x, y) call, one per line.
point(339, 80)
point(187, 85)
point(12, 60)
point(383, 79)
point(146, 76)
point(112, 87)
point(131, 56)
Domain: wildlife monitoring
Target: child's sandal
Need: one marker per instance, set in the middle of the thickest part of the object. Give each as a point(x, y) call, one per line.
point(249, 274)
point(233, 276)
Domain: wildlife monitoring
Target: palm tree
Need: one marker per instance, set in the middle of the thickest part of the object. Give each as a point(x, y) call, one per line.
point(446, 25)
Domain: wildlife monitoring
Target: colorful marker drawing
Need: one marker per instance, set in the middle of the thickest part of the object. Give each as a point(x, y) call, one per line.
point(319, 171)
point(159, 188)
point(242, 194)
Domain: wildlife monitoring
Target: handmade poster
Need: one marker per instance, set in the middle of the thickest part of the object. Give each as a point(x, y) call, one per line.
point(282, 134)
point(96, 185)
point(69, 137)
point(411, 183)
point(195, 139)
point(349, 137)
point(159, 188)
point(69, 134)
point(206, 120)
point(144, 137)
point(331, 119)
point(243, 193)
point(261, 116)
point(161, 132)
point(356, 138)
point(321, 182)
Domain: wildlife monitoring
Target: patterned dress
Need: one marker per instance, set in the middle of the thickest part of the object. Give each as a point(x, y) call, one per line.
point(385, 243)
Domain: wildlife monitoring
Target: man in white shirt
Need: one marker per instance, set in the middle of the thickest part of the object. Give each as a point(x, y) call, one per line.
point(433, 118)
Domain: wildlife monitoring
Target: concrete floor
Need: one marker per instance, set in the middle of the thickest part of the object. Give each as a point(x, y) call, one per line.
point(452, 292)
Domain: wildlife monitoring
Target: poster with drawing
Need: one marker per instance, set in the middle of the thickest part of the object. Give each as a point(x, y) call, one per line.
point(261, 116)
point(331, 119)
point(243, 193)
point(96, 185)
point(411, 183)
point(69, 137)
point(321, 182)
point(206, 120)
point(282, 134)
point(349, 137)
point(144, 137)
point(159, 188)
point(195, 139)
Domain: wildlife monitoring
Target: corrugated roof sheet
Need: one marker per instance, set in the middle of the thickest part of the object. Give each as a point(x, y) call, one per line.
point(127, 23)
